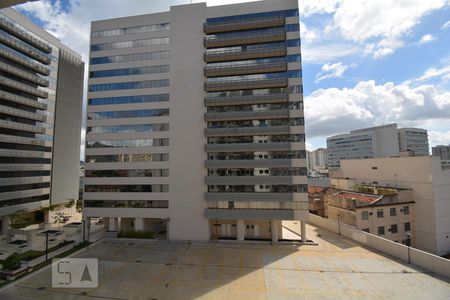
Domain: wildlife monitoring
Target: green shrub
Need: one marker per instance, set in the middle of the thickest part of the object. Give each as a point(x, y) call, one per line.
point(12, 262)
point(136, 234)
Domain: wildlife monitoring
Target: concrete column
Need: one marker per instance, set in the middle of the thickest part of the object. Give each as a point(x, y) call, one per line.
point(6, 224)
point(85, 230)
point(139, 224)
point(303, 230)
point(274, 230)
point(119, 224)
point(112, 226)
point(240, 230)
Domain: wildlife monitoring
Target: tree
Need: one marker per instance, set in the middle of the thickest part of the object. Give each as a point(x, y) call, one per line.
point(12, 262)
point(70, 203)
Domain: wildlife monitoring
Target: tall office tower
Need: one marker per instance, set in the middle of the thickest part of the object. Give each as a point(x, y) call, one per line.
point(414, 141)
point(195, 122)
point(380, 141)
point(41, 88)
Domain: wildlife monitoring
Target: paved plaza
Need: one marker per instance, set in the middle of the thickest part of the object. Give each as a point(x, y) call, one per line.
point(336, 268)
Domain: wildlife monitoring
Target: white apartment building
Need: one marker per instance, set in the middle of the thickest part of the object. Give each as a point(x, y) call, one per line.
point(430, 186)
point(379, 141)
point(41, 93)
point(195, 122)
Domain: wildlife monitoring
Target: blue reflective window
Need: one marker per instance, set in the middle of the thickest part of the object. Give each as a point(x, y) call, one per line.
point(130, 99)
point(293, 43)
point(294, 58)
point(280, 13)
point(131, 44)
point(143, 113)
point(129, 85)
point(131, 30)
point(128, 143)
point(294, 74)
point(292, 27)
point(129, 128)
point(130, 57)
point(130, 71)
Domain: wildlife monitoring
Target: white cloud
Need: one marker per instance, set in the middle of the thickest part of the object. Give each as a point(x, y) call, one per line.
point(322, 53)
point(438, 138)
point(335, 70)
point(426, 39)
point(306, 34)
point(442, 73)
point(446, 25)
point(310, 7)
point(333, 111)
point(369, 20)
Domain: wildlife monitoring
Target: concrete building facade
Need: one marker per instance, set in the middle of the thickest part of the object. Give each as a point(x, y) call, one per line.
point(379, 141)
point(414, 141)
point(383, 211)
point(430, 186)
point(195, 122)
point(41, 88)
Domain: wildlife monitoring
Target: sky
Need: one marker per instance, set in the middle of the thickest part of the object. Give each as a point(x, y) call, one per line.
point(365, 62)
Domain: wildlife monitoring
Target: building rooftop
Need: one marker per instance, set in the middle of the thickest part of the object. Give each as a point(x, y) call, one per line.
point(364, 198)
point(336, 268)
point(316, 189)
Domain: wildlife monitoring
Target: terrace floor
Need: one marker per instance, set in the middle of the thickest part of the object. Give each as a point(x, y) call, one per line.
point(336, 268)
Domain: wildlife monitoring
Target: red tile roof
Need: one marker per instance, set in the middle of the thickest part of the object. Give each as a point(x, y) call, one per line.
point(358, 197)
point(315, 189)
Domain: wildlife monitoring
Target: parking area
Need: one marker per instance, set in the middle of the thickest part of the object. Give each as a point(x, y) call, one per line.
point(336, 268)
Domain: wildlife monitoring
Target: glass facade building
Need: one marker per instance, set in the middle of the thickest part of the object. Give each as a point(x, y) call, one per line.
point(41, 86)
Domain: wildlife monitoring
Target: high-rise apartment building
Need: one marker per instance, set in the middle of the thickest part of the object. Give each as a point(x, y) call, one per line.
point(41, 88)
point(414, 141)
point(379, 141)
point(195, 122)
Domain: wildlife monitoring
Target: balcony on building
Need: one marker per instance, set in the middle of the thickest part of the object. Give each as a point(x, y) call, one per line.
point(273, 146)
point(247, 115)
point(246, 84)
point(22, 100)
point(249, 163)
point(23, 87)
point(242, 131)
point(244, 69)
point(250, 23)
point(226, 40)
point(19, 33)
point(240, 54)
point(24, 75)
point(24, 48)
point(5, 53)
point(247, 99)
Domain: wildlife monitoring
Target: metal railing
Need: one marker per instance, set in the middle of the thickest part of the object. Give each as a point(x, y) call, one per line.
point(17, 58)
point(236, 39)
point(25, 75)
point(22, 34)
point(24, 48)
point(243, 24)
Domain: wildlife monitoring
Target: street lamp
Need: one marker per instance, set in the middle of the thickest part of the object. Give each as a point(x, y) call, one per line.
point(408, 243)
point(339, 224)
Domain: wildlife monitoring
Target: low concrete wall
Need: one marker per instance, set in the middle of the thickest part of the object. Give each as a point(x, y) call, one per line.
point(419, 258)
point(52, 254)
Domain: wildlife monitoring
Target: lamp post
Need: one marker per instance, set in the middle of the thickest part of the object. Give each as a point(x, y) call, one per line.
point(408, 243)
point(46, 246)
point(339, 224)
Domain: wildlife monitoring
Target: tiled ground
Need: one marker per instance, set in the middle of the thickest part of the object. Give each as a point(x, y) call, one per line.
point(335, 269)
